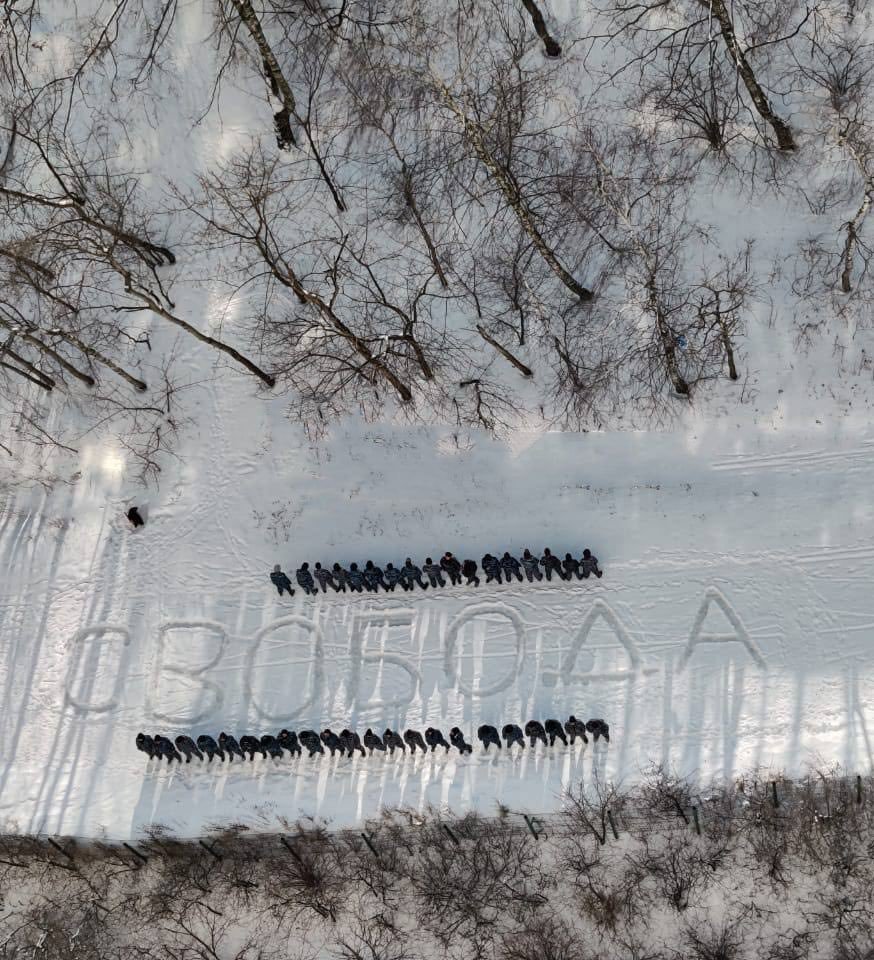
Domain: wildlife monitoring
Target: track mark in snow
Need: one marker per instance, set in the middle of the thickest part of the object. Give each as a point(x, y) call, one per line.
point(740, 635)
point(777, 461)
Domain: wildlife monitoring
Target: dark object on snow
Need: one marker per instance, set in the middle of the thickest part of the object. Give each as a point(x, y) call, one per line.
point(373, 577)
point(187, 746)
point(413, 739)
point(452, 567)
point(589, 565)
point(411, 574)
point(252, 745)
point(210, 747)
point(324, 577)
point(331, 741)
point(434, 738)
point(355, 579)
point(305, 579)
point(491, 568)
point(393, 578)
point(468, 568)
point(230, 747)
point(487, 734)
point(287, 739)
point(146, 744)
point(571, 567)
point(339, 575)
point(555, 732)
point(434, 573)
point(456, 738)
point(165, 748)
point(510, 566)
point(351, 742)
point(310, 740)
point(598, 728)
point(373, 741)
point(512, 733)
point(532, 566)
point(534, 731)
point(281, 581)
point(269, 743)
point(135, 517)
point(551, 564)
point(392, 739)
point(576, 728)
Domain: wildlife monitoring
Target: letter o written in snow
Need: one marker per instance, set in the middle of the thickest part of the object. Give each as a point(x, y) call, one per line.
point(316, 663)
point(83, 677)
point(466, 616)
point(696, 636)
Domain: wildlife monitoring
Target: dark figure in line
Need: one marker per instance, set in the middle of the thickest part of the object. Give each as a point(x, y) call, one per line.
point(456, 738)
point(434, 738)
point(373, 577)
point(550, 565)
point(491, 568)
point(468, 568)
point(165, 748)
point(571, 567)
point(210, 747)
point(324, 577)
point(413, 739)
point(281, 581)
point(452, 567)
point(411, 574)
point(310, 740)
point(355, 579)
point(146, 744)
point(589, 565)
point(393, 740)
point(332, 741)
point(135, 517)
point(598, 728)
point(555, 732)
point(305, 579)
point(187, 746)
point(510, 566)
point(512, 733)
point(230, 747)
point(269, 743)
point(287, 739)
point(487, 734)
point(532, 566)
point(372, 741)
point(352, 742)
point(434, 573)
point(576, 728)
point(252, 745)
point(339, 576)
point(534, 731)
point(393, 578)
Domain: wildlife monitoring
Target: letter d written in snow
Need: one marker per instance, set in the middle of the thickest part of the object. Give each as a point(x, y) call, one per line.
point(738, 635)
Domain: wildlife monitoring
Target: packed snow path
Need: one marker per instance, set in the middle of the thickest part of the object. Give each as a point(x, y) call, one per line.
point(733, 627)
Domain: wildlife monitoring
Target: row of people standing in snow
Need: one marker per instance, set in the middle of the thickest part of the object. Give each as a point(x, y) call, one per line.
point(496, 569)
point(347, 741)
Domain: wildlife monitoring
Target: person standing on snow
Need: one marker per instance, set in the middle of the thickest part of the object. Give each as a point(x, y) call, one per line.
point(373, 577)
point(324, 577)
point(355, 579)
point(589, 565)
point(452, 567)
point(393, 578)
point(305, 579)
point(550, 564)
point(147, 745)
point(532, 566)
point(468, 568)
point(433, 573)
point(491, 568)
point(510, 566)
point(281, 581)
point(411, 574)
point(571, 567)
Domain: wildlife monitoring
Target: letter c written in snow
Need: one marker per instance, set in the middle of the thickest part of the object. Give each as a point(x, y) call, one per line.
point(467, 615)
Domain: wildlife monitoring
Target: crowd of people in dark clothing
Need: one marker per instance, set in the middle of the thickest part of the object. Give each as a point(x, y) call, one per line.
point(495, 569)
point(347, 742)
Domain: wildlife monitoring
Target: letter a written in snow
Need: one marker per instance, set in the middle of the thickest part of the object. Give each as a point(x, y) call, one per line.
point(738, 635)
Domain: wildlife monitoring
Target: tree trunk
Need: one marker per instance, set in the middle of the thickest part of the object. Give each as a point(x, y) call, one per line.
point(852, 241)
point(410, 199)
point(551, 47)
point(729, 350)
point(781, 129)
point(526, 371)
point(668, 344)
point(109, 364)
point(50, 352)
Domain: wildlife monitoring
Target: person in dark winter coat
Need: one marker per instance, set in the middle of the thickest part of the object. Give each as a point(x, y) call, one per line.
point(230, 747)
point(534, 731)
point(491, 568)
point(305, 579)
point(252, 745)
point(373, 575)
point(488, 734)
point(512, 733)
point(434, 738)
point(598, 728)
point(270, 744)
point(468, 568)
point(550, 564)
point(393, 578)
point(576, 728)
point(310, 740)
point(281, 581)
point(555, 732)
point(452, 567)
point(339, 575)
point(373, 741)
point(510, 566)
point(413, 739)
point(164, 748)
point(393, 740)
point(146, 744)
point(324, 577)
point(411, 574)
point(532, 566)
point(456, 738)
point(355, 579)
point(135, 517)
point(352, 742)
point(287, 739)
point(332, 741)
point(433, 572)
point(187, 746)
point(210, 747)
point(571, 567)
point(589, 565)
